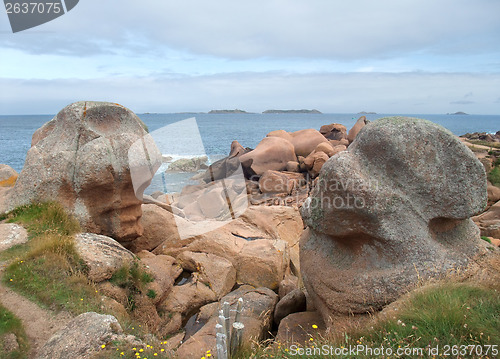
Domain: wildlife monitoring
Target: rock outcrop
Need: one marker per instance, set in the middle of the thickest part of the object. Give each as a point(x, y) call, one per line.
point(82, 337)
point(272, 153)
point(81, 159)
point(258, 306)
point(393, 208)
point(8, 176)
point(102, 255)
point(353, 132)
point(12, 234)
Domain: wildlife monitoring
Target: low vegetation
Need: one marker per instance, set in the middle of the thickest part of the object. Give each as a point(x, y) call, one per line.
point(494, 176)
point(48, 269)
point(133, 279)
point(445, 316)
point(433, 321)
point(485, 143)
point(9, 325)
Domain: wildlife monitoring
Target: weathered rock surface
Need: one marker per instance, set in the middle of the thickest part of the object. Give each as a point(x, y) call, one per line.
point(102, 255)
point(258, 306)
point(81, 159)
point(82, 337)
point(159, 227)
point(293, 302)
point(8, 176)
point(276, 232)
point(12, 234)
point(216, 272)
point(489, 221)
point(164, 269)
point(493, 193)
point(314, 162)
point(393, 208)
point(299, 328)
point(334, 131)
point(272, 153)
point(353, 132)
point(280, 182)
point(305, 141)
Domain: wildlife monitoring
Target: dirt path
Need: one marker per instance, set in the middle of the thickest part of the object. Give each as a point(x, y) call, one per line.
point(39, 324)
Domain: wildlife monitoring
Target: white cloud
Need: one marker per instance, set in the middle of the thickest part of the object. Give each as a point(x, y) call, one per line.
point(269, 28)
point(329, 92)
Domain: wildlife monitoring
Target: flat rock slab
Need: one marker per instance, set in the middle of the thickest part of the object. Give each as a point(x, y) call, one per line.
point(12, 234)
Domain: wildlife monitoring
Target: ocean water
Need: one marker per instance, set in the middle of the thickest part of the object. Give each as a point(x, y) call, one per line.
point(219, 130)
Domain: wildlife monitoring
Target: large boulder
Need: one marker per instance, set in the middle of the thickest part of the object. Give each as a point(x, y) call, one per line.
point(8, 176)
point(259, 244)
point(81, 159)
point(159, 227)
point(216, 272)
point(102, 255)
point(353, 132)
point(280, 182)
point(392, 209)
point(272, 153)
point(334, 131)
point(305, 141)
point(82, 337)
point(258, 306)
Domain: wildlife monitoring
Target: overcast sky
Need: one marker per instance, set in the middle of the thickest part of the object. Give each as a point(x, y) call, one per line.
point(387, 56)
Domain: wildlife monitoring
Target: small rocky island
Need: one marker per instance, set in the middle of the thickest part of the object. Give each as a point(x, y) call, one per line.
point(219, 112)
point(458, 113)
point(293, 111)
point(366, 113)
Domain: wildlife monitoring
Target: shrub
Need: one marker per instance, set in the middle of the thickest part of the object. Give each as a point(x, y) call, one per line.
point(494, 176)
point(9, 323)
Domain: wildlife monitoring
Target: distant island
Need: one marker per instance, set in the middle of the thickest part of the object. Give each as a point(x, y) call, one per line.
point(366, 113)
point(226, 111)
point(292, 111)
point(458, 113)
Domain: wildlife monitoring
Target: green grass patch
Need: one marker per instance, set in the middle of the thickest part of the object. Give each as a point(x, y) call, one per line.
point(51, 281)
point(457, 315)
point(486, 239)
point(44, 218)
point(48, 269)
point(9, 323)
point(133, 279)
point(494, 176)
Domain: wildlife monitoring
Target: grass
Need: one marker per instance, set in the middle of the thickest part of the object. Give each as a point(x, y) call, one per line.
point(453, 314)
point(11, 324)
point(485, 143)
point(494, 176)
point(48, 269)
point(44, 218)
point(484, 238)
point(133, 279)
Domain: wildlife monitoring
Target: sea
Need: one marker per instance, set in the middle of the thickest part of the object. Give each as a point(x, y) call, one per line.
point(217, 131)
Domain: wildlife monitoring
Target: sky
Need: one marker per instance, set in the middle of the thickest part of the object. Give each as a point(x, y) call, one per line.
point(386, 56)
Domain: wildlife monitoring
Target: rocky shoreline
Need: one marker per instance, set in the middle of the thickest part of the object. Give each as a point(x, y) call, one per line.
point(309, 228)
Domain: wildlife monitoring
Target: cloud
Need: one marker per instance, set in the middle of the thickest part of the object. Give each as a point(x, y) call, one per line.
point(329, 92)
point(462, 102)
point(268, 28)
